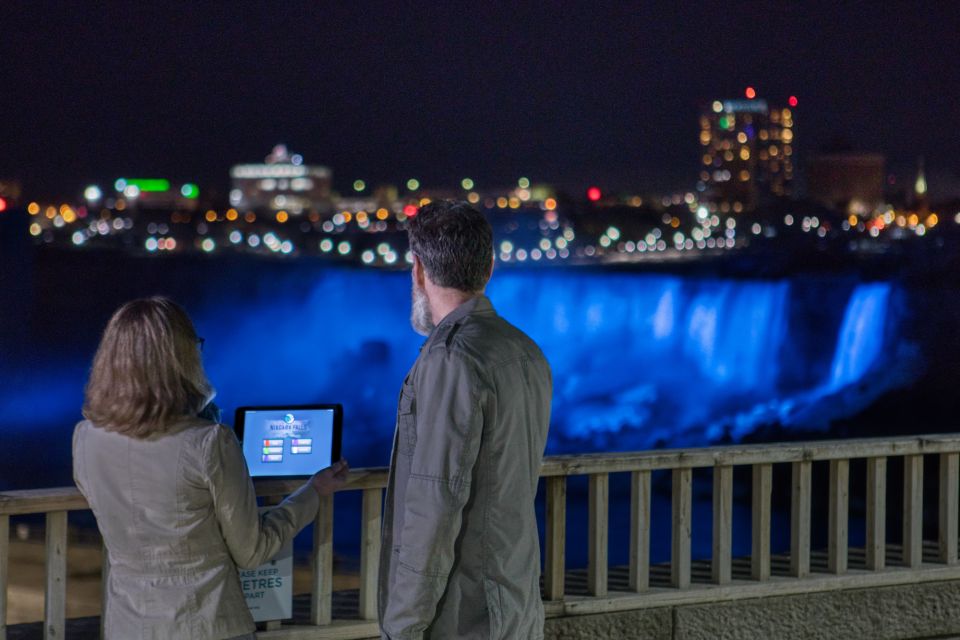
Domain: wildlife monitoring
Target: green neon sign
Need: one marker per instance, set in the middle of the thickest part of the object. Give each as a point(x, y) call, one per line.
point(145, 185)
point(190, 191)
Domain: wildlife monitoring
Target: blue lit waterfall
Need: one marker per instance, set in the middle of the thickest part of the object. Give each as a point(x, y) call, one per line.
point(639, 360)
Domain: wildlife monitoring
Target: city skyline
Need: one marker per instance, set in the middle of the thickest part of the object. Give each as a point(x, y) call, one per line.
point(573, 98)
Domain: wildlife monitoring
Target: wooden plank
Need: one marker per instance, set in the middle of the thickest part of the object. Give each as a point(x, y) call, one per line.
point(639, 530)
point(69, 498)
point(838, 532)
point(104, 586)
point(556, 535)
point(598, 534)
point(680, 539)
point(775, 587)
point(876, 514)
point(321, 597)
point(721, 562)
point(4, 572)
point(55, 597)
point(749, 454)
point(273, 625)
point(800, 482)
point(370, 552)
point(949, 472)
point(913, 510)
point(760, 521)
point(337, 630)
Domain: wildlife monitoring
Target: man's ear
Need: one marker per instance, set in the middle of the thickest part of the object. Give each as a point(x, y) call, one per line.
point(417, 272)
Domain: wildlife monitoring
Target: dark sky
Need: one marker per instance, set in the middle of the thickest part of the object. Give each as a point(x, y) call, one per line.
point(560, 92)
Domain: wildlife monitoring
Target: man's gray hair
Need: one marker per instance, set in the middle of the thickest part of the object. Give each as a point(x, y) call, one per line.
point(454, 242)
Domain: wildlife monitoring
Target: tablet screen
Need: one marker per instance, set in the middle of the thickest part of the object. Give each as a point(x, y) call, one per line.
point(289, 441)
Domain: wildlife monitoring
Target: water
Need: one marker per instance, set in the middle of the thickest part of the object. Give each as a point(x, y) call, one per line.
point(639, 360)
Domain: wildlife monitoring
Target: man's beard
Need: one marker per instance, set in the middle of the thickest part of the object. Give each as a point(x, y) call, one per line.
point(420, 317)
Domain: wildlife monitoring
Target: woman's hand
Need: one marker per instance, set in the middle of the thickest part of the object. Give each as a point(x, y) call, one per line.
point(327, 481)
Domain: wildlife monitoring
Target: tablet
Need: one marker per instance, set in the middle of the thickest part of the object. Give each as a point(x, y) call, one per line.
point(289, 441)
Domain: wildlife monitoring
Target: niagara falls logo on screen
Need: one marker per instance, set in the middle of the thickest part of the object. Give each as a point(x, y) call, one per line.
point(289, 426)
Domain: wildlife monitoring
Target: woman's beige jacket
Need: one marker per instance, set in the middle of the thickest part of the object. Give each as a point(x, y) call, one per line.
point(179, 515)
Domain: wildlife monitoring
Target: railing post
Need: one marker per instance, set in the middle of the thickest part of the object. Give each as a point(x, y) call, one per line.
point(321, 597)
point(598, 534)
point(55, 601)
point(680, 539)
point(4, 572)
point(760, 521)
point(639, 530)
point(800, 473)
point(556, 537)
point(839, 516)
point(370, 553)
point(720, 566)
point(876, 513)
point(913, 510)
point(949, 468)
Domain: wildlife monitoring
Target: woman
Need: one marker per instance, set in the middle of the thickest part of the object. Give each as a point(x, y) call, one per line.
point(170, 490)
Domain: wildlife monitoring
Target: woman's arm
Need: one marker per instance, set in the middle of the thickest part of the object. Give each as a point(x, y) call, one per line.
point(252, 538)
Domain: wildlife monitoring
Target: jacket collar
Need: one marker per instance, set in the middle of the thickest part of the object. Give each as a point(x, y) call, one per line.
point(474, 306)
point(477, 304)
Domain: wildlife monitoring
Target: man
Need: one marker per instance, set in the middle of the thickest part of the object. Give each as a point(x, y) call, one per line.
point(460, 555)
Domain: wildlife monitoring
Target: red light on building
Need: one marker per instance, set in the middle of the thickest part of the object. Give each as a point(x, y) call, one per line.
point(3, 204)
point(593, 194)
point(751, 93)
point(410, 210)
point(793, 101)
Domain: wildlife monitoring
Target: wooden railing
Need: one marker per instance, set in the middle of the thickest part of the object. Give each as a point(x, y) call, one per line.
point(55, 503)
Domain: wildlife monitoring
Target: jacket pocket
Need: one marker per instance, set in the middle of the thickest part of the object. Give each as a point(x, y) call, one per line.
point(491, 590)
point(407, 421)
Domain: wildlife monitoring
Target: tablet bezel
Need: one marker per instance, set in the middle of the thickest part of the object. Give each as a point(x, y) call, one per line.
point(335, 449)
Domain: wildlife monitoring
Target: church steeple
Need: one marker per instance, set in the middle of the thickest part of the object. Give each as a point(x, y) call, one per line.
point(920, 188)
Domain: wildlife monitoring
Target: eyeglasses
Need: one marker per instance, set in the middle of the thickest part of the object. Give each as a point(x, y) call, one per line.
point(200, 342)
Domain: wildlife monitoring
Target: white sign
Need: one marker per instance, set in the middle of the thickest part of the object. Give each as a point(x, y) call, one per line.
point(269, 588)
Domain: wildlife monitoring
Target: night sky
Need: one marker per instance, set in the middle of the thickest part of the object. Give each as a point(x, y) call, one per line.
point(567, 93)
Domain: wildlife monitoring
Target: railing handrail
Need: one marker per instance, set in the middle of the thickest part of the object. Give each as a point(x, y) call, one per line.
point(56, 502)
point(34, 501)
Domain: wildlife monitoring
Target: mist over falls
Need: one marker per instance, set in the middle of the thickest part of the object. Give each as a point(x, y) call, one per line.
point(639, 360)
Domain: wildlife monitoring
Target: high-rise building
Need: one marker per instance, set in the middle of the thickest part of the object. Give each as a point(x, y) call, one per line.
point(747, 152)
point(281, 182)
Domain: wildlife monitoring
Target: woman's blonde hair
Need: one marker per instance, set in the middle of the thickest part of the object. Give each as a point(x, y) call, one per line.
point(147, 372)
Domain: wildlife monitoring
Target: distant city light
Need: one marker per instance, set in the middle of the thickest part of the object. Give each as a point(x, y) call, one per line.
point(92, 193)
point(413, 184)
point(359, 185)
point(717, 106)
point(367, 256)
point(410, 210)
point(208, 245)
point(326, 245)
point(191, 191)
point(751, 93)
point(343, 248)
point(593, 194)
point(523, 183)
point(467, 184)
point(792, 101)
point(151, 244)
point(236, 237)
point(78, 237)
